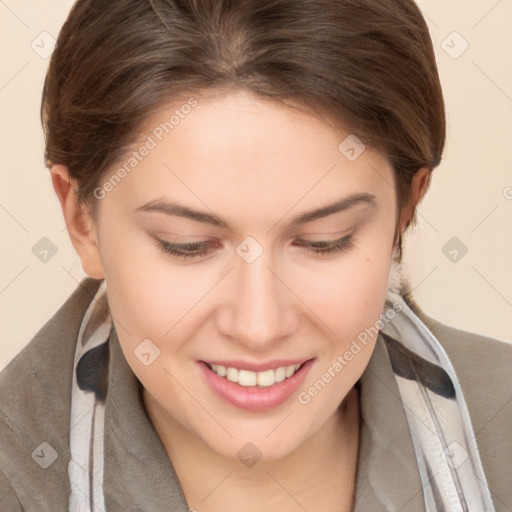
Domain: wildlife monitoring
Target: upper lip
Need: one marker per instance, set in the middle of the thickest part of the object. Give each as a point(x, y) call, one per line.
point(258, 367)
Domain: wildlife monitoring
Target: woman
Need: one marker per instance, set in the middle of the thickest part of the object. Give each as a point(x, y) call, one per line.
point(236, 178)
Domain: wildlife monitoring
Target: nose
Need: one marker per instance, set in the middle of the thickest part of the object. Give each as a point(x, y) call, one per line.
point(259, 308)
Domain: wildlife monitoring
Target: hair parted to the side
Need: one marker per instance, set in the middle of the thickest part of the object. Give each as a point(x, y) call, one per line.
point(365, 65)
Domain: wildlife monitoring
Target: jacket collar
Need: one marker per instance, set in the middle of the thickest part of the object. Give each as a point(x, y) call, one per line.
point(136, 460)
point(387, 475)
point(138, 474)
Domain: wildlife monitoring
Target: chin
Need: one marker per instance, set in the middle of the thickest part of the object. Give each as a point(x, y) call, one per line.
point(249, 449)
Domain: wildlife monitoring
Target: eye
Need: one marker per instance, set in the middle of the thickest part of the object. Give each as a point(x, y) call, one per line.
point(186, 251)
point(328, 247)
point(192, 251)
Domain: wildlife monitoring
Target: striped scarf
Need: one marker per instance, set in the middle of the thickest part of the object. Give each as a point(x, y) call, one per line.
point(437, 415)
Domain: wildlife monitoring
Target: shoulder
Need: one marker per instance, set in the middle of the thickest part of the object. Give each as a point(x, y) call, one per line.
point(484, 368)
point(481, 363)
point(35, 396)
point(8, 498)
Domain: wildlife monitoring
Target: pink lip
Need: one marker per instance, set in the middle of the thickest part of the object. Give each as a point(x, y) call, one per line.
point(255, 398)
point(258, 367)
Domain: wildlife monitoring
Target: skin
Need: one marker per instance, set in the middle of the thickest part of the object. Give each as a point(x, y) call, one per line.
point(256, 165)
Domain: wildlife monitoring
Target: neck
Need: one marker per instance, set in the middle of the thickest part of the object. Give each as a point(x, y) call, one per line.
point(319, 475)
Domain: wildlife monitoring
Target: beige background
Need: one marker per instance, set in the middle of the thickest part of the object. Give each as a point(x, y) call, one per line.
point(470, 198)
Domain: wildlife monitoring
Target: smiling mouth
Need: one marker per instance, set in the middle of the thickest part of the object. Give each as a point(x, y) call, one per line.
point(261, 379)
point(255, 391)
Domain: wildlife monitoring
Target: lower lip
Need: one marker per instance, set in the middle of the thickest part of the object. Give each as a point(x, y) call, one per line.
point(254, 398)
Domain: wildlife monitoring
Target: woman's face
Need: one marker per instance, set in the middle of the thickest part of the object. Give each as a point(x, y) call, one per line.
point(252, 292)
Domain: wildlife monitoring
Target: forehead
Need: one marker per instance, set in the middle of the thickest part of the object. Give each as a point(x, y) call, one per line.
point(235, 117)
point(239, 152)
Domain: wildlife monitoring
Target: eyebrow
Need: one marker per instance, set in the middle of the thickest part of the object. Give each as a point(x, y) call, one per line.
point(180, 210)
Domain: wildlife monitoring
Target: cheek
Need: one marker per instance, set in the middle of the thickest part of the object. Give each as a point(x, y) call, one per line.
point(348, 295)
point(133, 288)
point(149, 296)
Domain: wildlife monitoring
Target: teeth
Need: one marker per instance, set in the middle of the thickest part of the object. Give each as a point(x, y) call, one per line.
point(251, 379)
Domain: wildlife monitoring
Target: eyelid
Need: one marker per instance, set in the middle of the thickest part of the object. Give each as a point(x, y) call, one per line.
point(188, 246)
point(331, 237)
point(213, 243)
point(196, 250)
point(314, 243)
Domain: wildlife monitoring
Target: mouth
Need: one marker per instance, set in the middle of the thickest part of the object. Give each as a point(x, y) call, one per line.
point(255, 391)
point(258, 379)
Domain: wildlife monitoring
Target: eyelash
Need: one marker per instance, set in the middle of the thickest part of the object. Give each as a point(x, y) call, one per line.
point(322, 247)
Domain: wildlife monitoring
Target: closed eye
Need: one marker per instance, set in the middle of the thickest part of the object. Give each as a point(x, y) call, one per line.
point(193, 251)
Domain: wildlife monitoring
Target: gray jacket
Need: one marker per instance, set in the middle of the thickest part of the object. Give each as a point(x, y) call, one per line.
point(138, 475)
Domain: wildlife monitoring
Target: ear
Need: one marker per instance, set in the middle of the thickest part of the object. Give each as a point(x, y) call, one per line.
point(79, 222)
point(419, 186)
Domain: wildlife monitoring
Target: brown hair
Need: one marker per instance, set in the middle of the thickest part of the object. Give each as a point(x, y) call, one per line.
point(366, 65)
